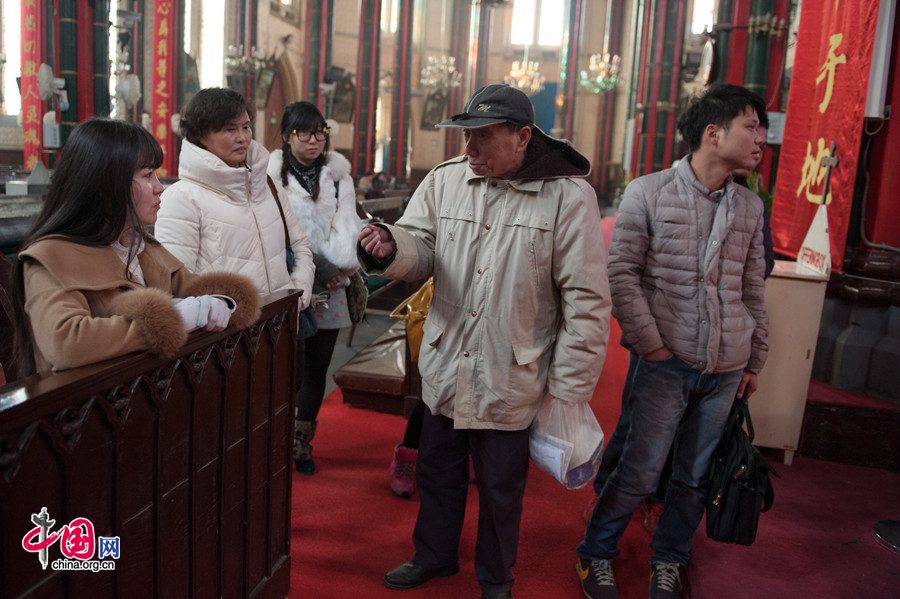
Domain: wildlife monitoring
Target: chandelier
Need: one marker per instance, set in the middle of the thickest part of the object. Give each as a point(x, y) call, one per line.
point(440, 74)
point(238, 62)
point(602, 73)
point(525, 76)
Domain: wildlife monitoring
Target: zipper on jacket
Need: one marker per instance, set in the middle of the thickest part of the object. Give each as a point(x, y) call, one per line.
point(259, 234)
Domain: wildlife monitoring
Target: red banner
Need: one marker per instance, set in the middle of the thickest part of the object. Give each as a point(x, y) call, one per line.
point(826, 104)
point(31, 101)
point(164, 94)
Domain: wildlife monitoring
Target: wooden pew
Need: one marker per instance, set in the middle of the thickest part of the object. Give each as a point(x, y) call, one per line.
point(187, 461)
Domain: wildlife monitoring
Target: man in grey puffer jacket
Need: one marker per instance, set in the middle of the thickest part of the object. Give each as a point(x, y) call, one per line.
point(686, 275)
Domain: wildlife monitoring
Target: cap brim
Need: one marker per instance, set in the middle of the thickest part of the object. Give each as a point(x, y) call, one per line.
point(466, 122)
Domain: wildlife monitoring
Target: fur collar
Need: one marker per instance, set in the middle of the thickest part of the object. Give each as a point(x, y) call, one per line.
point(330, 221)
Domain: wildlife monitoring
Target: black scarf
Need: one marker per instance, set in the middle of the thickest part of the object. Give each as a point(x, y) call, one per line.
point(305, 175)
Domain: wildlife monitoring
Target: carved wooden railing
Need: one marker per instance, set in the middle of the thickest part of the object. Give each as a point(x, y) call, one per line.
point(186, 460)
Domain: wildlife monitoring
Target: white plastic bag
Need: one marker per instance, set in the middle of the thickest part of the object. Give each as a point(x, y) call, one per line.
point(566, 441)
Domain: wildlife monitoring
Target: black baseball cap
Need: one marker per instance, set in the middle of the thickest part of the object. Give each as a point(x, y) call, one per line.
point(492, 104)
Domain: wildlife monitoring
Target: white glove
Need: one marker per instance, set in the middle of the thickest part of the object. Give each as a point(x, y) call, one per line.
point(206, 312)
point(217, 311)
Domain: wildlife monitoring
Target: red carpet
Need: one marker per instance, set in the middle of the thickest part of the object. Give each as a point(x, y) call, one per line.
point(816, 542)
point(348, 529)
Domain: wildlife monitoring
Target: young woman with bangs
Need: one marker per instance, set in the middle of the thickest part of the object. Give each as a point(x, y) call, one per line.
point(90, 282)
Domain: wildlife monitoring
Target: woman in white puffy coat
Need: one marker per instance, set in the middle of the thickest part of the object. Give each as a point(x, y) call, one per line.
point(222, 215)
point(321, 194)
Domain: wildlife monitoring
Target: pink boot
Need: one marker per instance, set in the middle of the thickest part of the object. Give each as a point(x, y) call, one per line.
point(403, 471)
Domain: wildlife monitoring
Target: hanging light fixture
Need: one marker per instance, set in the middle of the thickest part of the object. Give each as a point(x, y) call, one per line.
point(602, 73)
point(440, 74)
point(240, 63)
point(525, 75)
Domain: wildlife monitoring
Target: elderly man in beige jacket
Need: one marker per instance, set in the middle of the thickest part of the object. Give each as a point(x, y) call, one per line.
point(511, 233)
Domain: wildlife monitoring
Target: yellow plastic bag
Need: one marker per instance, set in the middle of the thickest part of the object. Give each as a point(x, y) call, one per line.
point(413, 310)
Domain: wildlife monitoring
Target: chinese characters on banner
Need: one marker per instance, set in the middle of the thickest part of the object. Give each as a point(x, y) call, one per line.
point(31, 101)
point(164, 94)
point(826, 104)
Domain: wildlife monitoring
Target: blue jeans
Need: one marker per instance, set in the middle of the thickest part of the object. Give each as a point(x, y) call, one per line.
point(671, 402)
point(612, 453)
point(613, 450)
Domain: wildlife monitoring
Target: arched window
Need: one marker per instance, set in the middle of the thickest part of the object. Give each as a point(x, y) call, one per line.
point(703, 18)
point(10, 56)
point(538, 23)
point(204, 40)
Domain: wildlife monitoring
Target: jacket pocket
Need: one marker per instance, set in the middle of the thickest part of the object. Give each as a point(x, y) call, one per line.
point(431, 333)
point(528, 372)
point(669, 288)
point(531, 243)
point(430, 361)
point(526, 353)
point(664, 302)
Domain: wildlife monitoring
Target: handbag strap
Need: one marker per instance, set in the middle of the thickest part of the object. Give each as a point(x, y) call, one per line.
point(740, 414)
point(287, 238)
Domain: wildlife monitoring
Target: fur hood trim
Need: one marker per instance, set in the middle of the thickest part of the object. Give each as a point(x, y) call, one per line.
point(330, 222)
point(158, 322)
point(340, 166)
point(237, 287)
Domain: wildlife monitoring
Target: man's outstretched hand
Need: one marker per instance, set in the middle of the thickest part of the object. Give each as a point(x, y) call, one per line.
point(376, 242)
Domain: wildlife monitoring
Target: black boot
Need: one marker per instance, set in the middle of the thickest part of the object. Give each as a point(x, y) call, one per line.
point(304, 431)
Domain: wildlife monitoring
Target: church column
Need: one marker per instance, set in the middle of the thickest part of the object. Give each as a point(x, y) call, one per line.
point(67, 48)
point(663, 86)
point(460, 28)
point(400, 97)
point(101, 57)
point(319, 28)
point(653, 45)
point(766, 49)
point(367, 68)
point(136, 55)
point(569, 71)
point(722, 32)
point(670, 85)
point(607, 108)
point(731, 41)
point(642, 26)
point(482, 45)
point(757, 63)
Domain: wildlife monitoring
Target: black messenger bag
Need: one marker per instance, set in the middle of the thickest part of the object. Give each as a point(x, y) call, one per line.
point(739, 485)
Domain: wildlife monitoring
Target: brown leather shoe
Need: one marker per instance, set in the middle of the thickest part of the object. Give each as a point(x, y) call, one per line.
point(409, 575)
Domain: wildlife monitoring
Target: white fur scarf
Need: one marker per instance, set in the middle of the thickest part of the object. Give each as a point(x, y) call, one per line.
point(330, 222)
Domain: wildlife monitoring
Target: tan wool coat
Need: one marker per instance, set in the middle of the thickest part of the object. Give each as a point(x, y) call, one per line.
point(82, 309)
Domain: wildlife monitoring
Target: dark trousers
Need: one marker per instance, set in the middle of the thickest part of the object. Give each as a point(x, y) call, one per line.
point(315, 357)
point(413, 431)
point(500, 459)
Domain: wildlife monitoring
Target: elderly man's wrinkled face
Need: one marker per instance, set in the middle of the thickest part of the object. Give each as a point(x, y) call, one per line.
point(496, 150)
